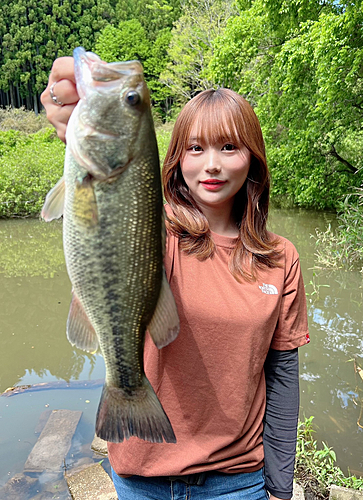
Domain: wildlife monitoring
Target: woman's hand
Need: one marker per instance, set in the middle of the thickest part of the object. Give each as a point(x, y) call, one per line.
point(64, 89)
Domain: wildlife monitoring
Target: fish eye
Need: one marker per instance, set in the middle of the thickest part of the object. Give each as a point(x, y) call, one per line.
point(132, 97)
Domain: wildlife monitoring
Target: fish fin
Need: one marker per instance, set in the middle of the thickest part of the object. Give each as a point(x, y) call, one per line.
point(121, 416)
point(80, 331)
point(164, 325)
point(85, 204)
point(54, 202)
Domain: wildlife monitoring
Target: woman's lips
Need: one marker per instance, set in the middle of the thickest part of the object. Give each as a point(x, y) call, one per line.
point(212, 184)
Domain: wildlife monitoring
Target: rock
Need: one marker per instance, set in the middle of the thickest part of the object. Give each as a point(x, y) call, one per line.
point(99, 446)
point(91, 483)
point(18, 487)
point(54, 442)
point(298, 493)
point(340, 493)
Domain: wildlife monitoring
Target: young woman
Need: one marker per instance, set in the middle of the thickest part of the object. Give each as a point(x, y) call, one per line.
point(229, 382)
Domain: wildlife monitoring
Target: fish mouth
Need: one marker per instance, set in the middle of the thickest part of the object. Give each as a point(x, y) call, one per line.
point(115, 71)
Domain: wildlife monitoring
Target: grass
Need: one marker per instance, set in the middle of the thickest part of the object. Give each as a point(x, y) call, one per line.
point(315, 468)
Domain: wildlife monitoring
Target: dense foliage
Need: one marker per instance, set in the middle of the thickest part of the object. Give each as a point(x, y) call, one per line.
point(300, 64)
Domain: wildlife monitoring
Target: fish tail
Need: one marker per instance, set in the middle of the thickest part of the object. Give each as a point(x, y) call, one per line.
point(121, 416)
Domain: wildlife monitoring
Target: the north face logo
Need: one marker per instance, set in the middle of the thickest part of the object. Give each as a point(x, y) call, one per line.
point(268, 289)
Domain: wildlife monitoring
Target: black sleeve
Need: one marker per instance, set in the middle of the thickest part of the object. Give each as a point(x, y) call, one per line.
point(280, 421)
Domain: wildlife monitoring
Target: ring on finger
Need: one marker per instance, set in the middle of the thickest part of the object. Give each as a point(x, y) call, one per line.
point(53, 96)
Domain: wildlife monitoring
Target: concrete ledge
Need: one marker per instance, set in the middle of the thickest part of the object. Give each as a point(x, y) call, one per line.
point(91, 483)
point(298, 493)
point(339, 493)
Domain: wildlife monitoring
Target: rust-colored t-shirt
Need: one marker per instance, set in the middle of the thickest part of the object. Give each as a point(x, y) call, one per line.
point(210, 380)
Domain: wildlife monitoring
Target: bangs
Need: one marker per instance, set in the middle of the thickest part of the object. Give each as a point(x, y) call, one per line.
point(219, 122)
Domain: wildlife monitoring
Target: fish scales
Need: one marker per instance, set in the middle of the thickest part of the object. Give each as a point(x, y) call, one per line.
point(111, 202)
point(112, 249)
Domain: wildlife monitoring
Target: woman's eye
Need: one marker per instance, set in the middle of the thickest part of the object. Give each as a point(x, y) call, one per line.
point(229, 147)
point(195, 148)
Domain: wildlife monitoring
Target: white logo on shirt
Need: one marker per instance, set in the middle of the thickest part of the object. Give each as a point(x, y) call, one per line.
point(269, 289)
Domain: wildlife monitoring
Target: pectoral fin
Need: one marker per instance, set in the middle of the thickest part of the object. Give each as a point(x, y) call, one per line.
point(54, 202)
point(85, 204)
point(80, 331)
point(164, 325)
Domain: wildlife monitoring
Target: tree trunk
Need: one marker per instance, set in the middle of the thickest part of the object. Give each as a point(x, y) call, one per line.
point(35, 97)
point(12, 96)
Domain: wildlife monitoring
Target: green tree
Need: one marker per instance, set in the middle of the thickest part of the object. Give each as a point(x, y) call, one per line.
point(125, 43)
point(153, 15)
point(130, 41)
point(191, 47)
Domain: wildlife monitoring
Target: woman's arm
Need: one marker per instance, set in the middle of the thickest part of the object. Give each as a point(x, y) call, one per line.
point(280, 422)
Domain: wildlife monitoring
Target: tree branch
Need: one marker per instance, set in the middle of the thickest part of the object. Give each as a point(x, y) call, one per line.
point(333, 152)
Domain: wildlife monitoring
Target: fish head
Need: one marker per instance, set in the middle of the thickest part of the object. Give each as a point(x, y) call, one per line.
point(113, 110)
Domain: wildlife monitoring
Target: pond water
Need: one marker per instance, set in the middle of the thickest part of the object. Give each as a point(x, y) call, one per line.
point(35, 296)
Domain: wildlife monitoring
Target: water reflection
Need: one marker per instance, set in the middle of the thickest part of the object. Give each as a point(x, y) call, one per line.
point(30, 248)
point(34, 298)
point(330, 387)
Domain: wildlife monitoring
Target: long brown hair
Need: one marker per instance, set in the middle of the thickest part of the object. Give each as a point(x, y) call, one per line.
point(222, 114)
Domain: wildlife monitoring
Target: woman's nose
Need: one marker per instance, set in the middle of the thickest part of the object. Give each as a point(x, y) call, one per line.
point(212, 163)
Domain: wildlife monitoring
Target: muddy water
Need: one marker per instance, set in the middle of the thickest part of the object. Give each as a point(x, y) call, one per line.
point(34, 302)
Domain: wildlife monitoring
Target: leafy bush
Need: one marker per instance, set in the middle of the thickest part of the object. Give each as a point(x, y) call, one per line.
point(314, 467)
point(31, 164)
point(29, 168)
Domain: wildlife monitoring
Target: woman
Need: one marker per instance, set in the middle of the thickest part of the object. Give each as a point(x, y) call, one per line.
point(242, 310)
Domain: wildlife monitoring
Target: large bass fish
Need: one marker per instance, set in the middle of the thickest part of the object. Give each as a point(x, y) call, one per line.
point(111, 201)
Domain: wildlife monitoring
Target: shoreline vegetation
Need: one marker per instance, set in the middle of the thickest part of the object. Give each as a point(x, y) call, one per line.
point(315, 466)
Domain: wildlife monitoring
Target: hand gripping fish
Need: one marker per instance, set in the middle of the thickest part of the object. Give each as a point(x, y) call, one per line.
point(113, 236)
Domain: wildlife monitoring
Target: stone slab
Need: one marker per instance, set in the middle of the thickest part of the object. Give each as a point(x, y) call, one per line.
point(43, 419)
point(339, 493)
point(50, 450)
point(99, 446)
point(91, 483)
point(298, 493)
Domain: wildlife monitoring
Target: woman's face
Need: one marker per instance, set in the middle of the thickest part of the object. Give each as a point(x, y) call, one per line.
point(214, 173)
